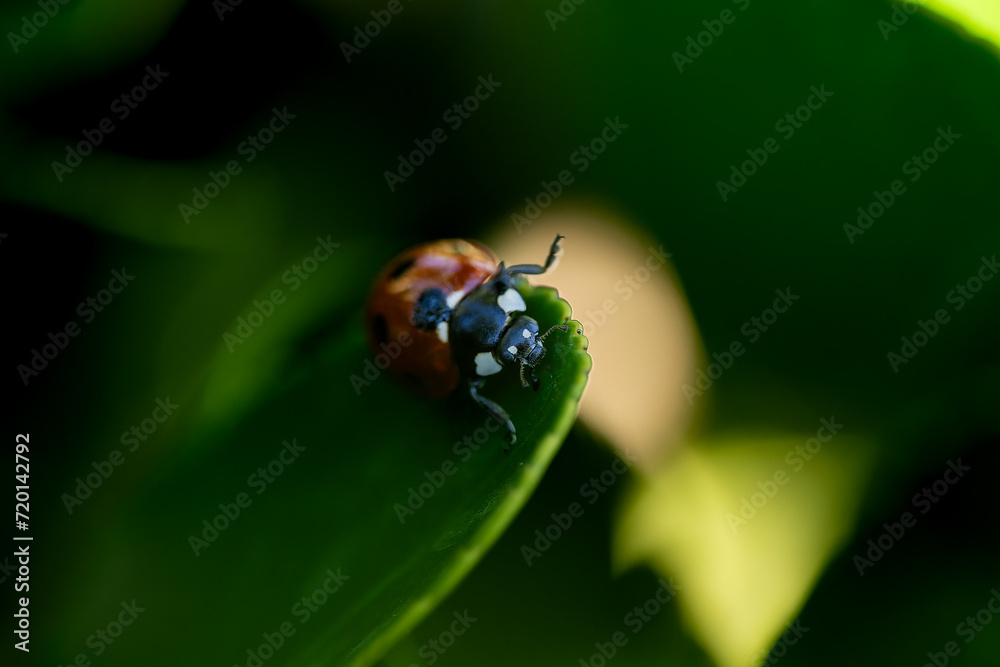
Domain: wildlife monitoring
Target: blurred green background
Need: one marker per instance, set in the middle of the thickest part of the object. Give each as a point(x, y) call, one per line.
point(695, 90)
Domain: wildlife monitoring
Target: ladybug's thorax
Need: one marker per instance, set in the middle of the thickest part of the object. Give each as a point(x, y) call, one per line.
point(481, 323)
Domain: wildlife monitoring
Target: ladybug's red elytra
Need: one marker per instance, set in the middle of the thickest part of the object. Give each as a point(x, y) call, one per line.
point(465, 315)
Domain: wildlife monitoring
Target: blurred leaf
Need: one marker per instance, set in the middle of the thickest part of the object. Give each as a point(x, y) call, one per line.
point(980, 18)
point(747, 526)
point(402, 497)
point(65, 40)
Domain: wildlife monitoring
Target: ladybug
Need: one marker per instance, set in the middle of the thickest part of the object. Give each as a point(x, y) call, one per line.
point(458, 312)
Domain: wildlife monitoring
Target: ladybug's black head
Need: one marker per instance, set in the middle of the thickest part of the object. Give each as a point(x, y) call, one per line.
point(521, 344)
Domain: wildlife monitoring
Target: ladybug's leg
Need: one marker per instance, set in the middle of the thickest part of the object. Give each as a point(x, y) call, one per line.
point(536, 269)
point(531, 377)
point(491, 407)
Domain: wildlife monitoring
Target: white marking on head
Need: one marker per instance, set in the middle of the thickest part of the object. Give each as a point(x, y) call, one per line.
point(442, 331)
point(486, 364)
point(512, 349)
point(525, 333)
point(454, 298)
point(511, 301)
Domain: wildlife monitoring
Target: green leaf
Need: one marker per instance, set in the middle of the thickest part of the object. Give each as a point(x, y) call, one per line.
point(385, 500)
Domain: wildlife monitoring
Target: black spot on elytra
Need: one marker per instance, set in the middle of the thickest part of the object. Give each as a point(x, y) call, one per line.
point(430, 309)
point(380, 329)
point(401, 269)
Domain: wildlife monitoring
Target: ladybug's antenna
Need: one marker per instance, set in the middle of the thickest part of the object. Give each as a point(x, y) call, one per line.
point(558, 326)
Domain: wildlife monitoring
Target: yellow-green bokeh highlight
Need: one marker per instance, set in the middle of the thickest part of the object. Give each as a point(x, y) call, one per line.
point(980, 18)
point(742, 580)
